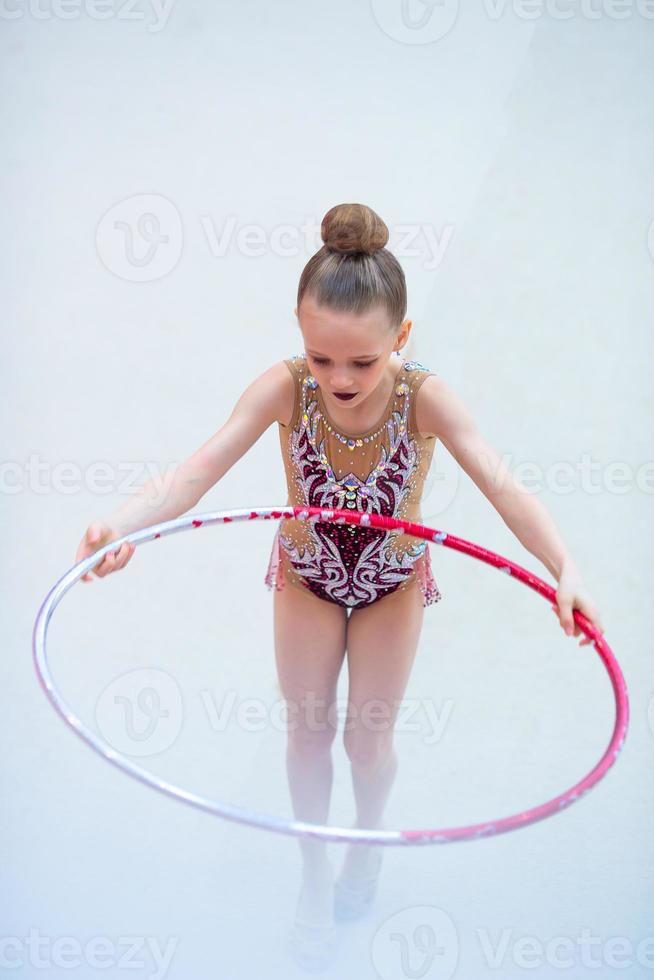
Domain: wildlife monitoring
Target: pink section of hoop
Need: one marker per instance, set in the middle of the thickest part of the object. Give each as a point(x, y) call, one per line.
point(503, 824)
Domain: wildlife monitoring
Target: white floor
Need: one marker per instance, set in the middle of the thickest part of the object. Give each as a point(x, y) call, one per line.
point(511, 158)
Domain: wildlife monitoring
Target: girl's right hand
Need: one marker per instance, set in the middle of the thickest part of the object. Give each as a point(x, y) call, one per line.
point(97, 536)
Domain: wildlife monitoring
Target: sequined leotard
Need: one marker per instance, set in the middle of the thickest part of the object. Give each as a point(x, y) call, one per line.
point(381, 471)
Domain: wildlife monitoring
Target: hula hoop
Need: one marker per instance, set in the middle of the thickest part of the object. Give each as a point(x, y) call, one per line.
point(298, 828)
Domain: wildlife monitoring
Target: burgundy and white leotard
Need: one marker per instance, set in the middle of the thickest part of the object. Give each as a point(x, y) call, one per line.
point(327, 466)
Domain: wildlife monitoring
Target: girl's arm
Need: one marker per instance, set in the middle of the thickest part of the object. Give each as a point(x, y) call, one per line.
point(180, 489)
point(441, 413)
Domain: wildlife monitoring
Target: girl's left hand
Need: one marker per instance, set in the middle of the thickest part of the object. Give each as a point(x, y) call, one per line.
point(571, 594)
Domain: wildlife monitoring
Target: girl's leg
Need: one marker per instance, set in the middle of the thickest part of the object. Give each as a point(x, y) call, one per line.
point(309, 651)
point(382, 640)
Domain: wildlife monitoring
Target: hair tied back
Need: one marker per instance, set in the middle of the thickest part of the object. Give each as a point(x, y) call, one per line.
point(353, 228)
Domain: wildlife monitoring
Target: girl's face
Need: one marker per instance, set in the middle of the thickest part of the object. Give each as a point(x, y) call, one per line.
point(346, 353)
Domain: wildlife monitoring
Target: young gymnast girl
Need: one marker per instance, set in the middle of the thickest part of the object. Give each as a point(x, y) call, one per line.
point(358, 425)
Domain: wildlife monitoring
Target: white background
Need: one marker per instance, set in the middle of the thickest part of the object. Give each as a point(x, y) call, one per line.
point(524, 144)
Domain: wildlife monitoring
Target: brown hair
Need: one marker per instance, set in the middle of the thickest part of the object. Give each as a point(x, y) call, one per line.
point(353, 271)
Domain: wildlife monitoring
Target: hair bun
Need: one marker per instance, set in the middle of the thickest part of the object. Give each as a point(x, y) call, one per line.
point(353, 228)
